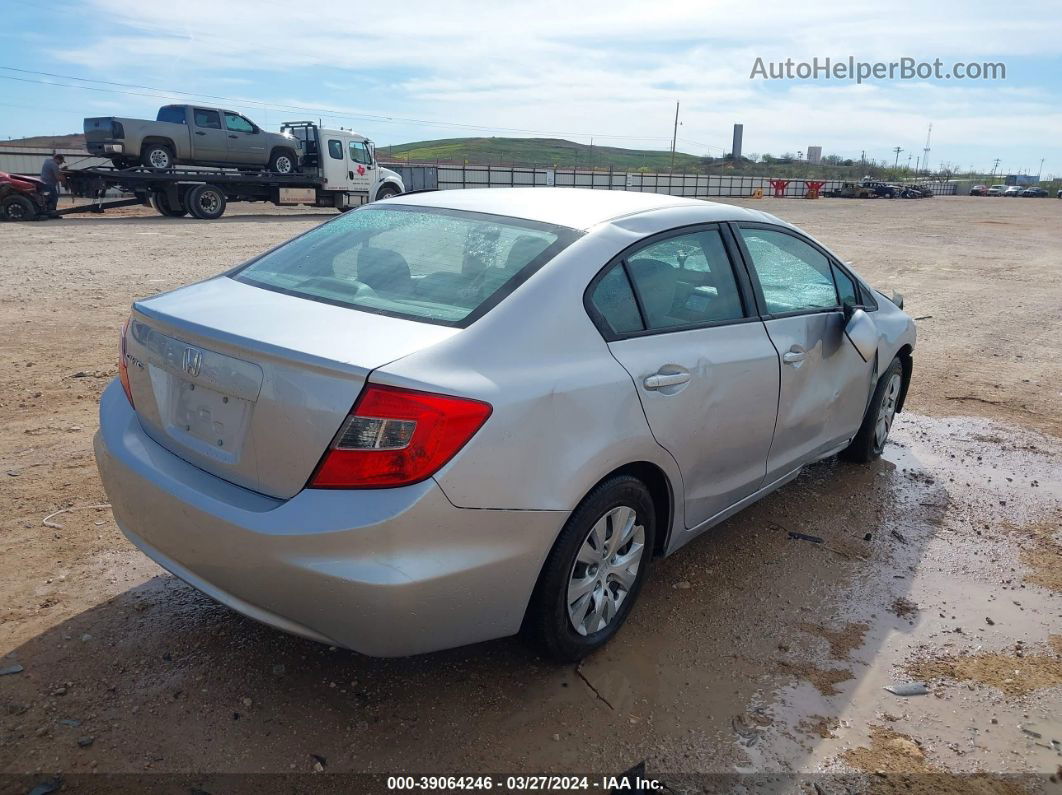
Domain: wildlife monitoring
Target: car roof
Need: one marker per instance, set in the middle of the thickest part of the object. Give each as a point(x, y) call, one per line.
point(576, 208)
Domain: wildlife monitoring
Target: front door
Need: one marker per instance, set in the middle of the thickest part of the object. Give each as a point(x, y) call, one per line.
point(362, 167)
point(825, 383)
point(245, 142)
point(209, 142)
point(703, 365)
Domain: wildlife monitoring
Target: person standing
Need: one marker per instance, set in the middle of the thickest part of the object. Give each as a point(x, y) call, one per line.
point(52, 176)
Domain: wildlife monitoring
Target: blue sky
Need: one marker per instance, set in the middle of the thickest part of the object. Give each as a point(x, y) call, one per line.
point(612, 71)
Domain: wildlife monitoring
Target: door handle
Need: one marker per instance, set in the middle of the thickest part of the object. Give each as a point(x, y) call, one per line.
point(794, 355)
point(350, 175)
point(663, 380)
point(234, 136)
point(200, 132)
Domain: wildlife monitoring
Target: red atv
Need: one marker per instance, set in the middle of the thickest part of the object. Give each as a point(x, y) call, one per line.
point(21, 198)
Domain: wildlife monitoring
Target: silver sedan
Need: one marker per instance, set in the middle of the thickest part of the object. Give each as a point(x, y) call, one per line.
point(449, 417)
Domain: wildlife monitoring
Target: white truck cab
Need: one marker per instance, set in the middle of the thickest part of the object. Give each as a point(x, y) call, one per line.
point(347, 163)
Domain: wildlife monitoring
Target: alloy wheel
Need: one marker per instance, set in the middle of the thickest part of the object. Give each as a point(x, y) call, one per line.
point(605, 570)
point(887, 412)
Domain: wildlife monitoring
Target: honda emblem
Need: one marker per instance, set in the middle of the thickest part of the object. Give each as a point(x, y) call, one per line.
point(193, 358)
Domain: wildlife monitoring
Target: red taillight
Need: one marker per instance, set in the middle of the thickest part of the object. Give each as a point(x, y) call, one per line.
point(123, 365)
point(394, 437)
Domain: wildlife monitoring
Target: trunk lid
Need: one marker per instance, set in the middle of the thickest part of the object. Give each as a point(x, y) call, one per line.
point(251, 385)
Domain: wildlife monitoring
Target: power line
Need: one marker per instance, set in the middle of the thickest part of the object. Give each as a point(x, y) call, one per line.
point(162, 93)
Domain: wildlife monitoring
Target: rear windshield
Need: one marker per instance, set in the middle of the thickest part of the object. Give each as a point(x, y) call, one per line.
point(421, 263)
point(171, 113)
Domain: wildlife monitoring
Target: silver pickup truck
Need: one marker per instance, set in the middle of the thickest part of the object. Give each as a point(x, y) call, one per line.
point(191, 135)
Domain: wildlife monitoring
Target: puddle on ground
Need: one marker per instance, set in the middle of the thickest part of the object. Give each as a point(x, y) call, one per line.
point(771, 657)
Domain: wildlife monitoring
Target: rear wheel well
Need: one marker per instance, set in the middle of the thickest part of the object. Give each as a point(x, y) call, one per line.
point(156, 140)
point(663, 498)
point(907, 363)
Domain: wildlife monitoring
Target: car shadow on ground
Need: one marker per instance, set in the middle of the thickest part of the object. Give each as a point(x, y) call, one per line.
point(793, 592)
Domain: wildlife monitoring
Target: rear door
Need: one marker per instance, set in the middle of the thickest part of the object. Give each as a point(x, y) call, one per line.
point(334, 162)
point(209, 142)
point(245, 144)
point(825, 384)
point(679, 318)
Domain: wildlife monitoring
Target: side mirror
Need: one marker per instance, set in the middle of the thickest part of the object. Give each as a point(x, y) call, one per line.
point(861, 331)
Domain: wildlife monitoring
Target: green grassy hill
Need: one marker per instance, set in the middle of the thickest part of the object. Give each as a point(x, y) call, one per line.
point(537, 151)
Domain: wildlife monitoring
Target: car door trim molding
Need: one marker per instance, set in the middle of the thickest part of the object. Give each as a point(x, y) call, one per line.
point(741, 278)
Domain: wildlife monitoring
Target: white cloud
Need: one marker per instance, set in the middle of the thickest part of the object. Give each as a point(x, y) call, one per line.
point(608, 68)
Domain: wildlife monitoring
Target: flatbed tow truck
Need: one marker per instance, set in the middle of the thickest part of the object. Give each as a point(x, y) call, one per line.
point(338, 168)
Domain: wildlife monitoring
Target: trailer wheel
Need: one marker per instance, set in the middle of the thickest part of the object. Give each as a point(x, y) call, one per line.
point(386, 192)
point(283, 161)
point(206, 202)
point(157, 156)
point(162, 206)
point(18, 208)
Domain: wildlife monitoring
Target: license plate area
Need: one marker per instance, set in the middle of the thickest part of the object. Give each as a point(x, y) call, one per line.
point(208, 421)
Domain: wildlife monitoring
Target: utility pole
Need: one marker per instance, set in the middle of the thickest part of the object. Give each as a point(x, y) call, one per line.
point(1040, 170)
point(995, 165)
point(591, 156)
point(896, 162)
point(674, 137)
point(925, 160)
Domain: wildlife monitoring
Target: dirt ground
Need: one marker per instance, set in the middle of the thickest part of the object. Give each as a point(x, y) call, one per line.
point(749, 653)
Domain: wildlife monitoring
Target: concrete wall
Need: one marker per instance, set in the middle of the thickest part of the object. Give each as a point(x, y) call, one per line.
point(28, 160)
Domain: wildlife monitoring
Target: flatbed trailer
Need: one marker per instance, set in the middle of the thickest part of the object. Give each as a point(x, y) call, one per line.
point(203, 193)
point(337, 168)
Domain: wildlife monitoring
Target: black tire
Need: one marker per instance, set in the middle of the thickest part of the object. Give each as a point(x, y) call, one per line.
point(157, 157)
point(163, 207)
point(386, 192)
point(547, 622)
point(206, 202)
point(868, 443)
point(283, 161)
point(18, 208)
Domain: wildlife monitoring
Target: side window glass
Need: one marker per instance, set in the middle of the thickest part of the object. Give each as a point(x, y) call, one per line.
point(686, 280)
point(846, 288)
point(335, 149)
point(238, 123)
point(359, 153)
point(614, 301)
point(793, 275)
point(207, 118)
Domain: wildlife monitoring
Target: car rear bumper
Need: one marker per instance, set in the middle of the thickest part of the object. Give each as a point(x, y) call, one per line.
point(386, 572)
point(105, 147)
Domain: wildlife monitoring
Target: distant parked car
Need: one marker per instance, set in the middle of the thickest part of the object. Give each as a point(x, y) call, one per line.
point(979, 190)
point(996, 190)
point(1012, 191)
point(1036, 193)
point(880, 188)
point(21, 197)
point(193, 135)
point(1060, 193)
